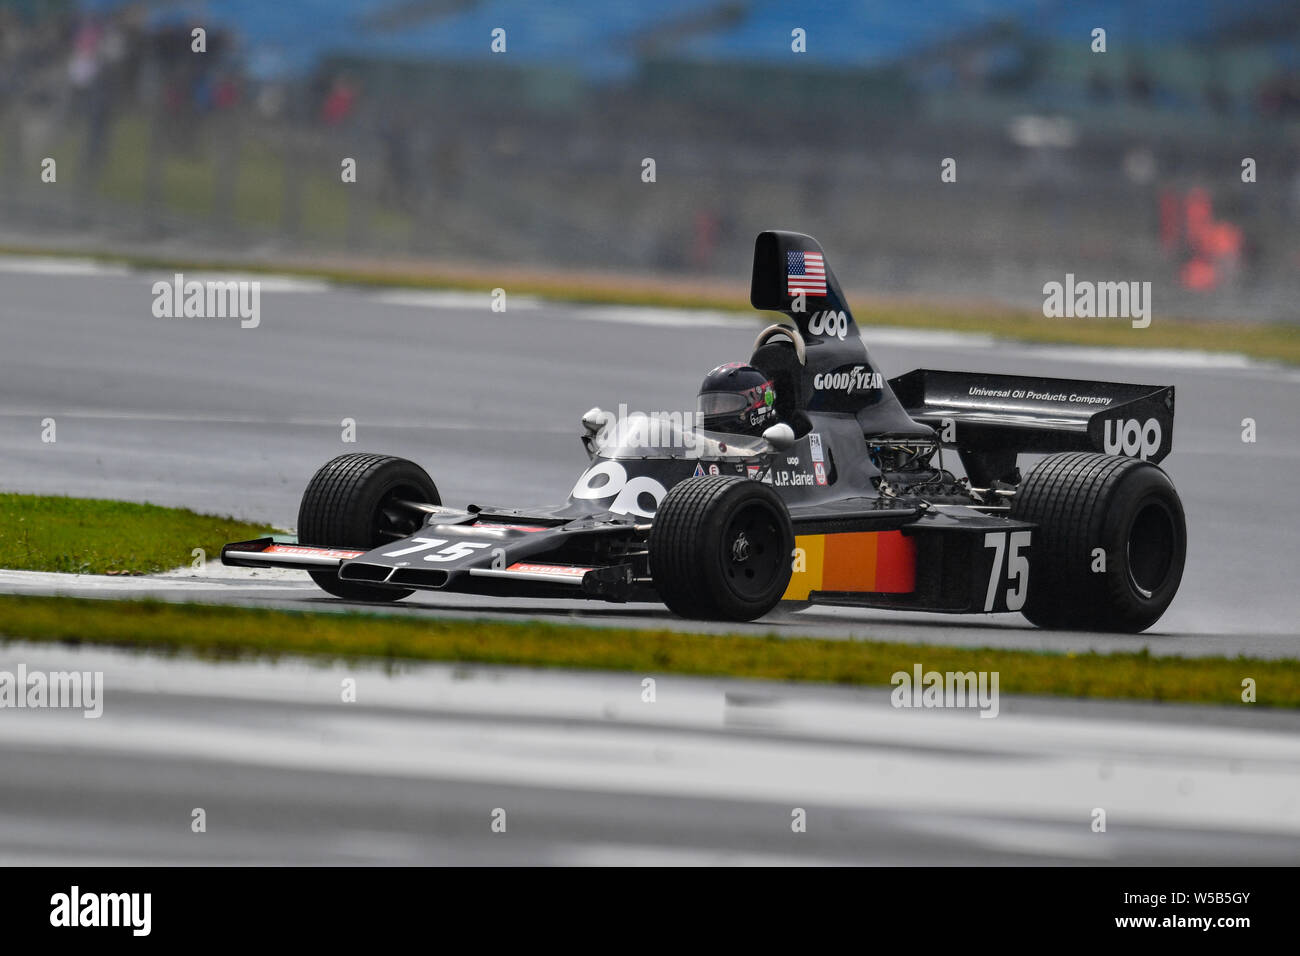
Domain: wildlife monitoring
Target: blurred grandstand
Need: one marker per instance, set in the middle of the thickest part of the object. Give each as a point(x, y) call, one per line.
point(1117, 165)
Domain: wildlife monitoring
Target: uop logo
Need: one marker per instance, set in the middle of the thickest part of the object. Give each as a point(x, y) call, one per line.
point(1132, 438)
point(829, 323)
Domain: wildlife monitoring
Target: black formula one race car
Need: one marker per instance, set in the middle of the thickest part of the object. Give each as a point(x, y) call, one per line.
point(843, 499)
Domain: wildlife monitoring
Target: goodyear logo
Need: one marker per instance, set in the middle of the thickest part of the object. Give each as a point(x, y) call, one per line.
point(859, 378)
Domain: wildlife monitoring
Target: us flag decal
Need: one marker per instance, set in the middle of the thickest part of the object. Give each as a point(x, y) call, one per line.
point(805, 272)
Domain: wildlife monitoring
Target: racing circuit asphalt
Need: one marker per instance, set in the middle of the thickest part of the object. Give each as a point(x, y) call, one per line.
point(586, 771)
point(203, 414)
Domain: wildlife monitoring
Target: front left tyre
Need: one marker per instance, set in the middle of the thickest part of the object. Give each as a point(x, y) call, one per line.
point(362, 501)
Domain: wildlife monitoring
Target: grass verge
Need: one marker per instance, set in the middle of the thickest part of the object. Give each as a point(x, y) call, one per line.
point(90, 536)
point(234, 632)
point(1277, 341)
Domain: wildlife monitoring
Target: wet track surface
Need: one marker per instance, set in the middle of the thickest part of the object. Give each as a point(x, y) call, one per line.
point(202, 414)
point(586, 771)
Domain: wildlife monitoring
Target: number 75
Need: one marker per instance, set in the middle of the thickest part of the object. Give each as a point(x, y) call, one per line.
point(1017, 566)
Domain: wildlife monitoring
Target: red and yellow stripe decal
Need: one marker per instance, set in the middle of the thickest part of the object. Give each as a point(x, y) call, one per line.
point(880, 562)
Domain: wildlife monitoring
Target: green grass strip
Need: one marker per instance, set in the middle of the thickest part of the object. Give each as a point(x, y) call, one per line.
point(90, 536)
point(224, 632)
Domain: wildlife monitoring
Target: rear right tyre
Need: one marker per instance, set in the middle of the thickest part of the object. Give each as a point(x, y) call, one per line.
point(1111, 541)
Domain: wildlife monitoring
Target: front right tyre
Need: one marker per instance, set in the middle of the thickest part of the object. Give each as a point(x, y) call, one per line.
point(362, 501)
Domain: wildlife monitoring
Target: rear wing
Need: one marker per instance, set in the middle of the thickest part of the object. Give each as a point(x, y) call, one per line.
point(999, 414)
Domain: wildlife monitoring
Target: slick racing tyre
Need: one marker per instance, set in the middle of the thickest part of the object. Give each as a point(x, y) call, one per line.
point(720, 548)
point(357, 501)
point(1111, 540)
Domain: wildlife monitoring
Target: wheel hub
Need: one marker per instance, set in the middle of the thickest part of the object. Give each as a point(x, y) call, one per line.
point(740, 549)
point(1150, 548)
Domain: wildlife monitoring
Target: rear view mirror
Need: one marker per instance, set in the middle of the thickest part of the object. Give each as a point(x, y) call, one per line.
point(779, 436)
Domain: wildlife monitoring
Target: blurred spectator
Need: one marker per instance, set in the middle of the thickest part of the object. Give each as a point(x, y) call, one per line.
point(1217, 98)
point(1137, 83)
point(1279, 96)
point(339, 101)
point(1099, 88)
point(1212, 248)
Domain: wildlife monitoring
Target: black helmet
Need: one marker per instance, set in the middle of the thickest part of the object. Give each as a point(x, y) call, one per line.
point(738, 399)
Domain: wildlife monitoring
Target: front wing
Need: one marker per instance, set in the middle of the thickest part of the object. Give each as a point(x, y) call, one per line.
point(470, 554)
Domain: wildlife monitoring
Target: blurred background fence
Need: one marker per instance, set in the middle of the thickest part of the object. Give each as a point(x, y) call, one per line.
point(1119, 165)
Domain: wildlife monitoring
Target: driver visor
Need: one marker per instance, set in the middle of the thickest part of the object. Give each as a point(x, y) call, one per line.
point(722, 403)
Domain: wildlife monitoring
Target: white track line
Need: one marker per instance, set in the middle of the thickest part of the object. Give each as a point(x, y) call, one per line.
point(875, 335)
point(670, 318)
point(133, 416)
point(44, 581)
point(56, 266)
point(265, 282)
point(449, 299)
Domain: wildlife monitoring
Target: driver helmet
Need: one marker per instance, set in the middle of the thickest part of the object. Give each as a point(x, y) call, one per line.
point(737, 399)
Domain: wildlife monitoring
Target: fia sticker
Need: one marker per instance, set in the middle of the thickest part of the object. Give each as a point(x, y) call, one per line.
point(753, 470)
point(819, 469)
point(699, 471)
point(713, 469)
point(815, 443)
